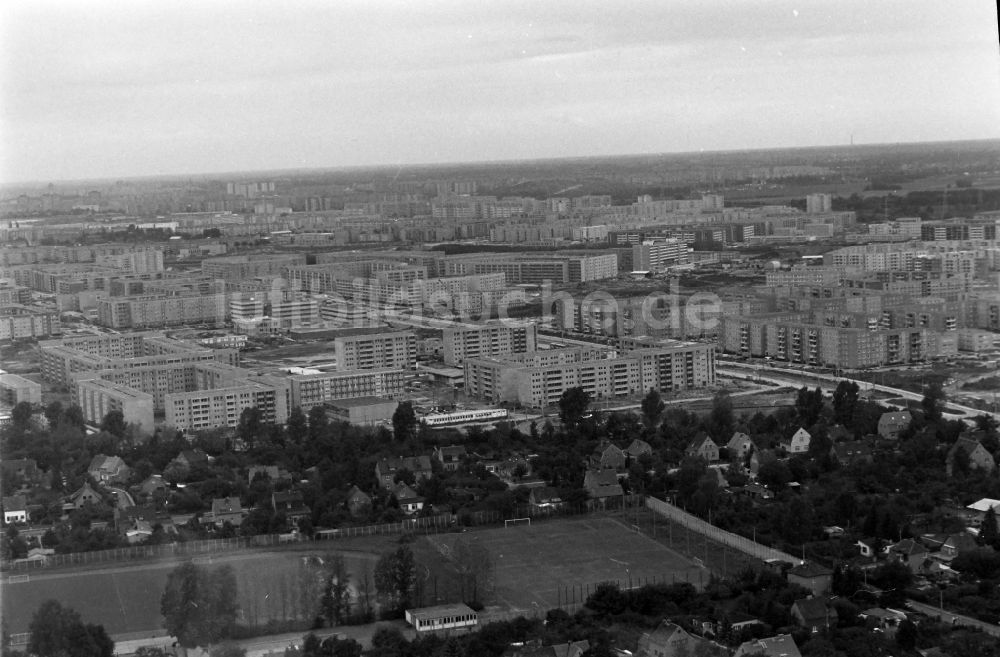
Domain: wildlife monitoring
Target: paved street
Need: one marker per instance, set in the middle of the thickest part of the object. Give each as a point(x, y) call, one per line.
point(954, 619)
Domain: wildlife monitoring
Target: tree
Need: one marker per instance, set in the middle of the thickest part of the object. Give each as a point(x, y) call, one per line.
point(389, 642)
point(573, 406)
point(297, 426)
point(652, 408)
point(336, 592)
point(845, 402)
point(199, 606)
point(52, 413)
point(404, 422)
point(73, 416)
point(395, 577)
point(809, 405)
point(114, 423)
point(20, 416)
point(721, 420)
point(58, 631)
point(906, 635)
point(933, 402)
point(988, 534)
point(317, 422)
point(250, 426)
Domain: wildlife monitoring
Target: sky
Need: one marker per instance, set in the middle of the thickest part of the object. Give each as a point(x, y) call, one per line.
point(95, 89)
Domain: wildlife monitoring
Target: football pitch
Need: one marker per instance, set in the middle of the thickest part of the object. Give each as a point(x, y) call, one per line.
point(556, 562)
point(126, 600)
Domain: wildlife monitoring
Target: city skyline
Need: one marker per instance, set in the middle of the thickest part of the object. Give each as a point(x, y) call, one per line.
point(147, 91)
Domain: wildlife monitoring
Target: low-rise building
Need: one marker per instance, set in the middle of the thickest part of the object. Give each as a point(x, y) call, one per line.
point(781, 645)
point(15, 389)
point(387, 469)
point(363, 410)
point(442, 618)
point(15, 510)
point(812, 576)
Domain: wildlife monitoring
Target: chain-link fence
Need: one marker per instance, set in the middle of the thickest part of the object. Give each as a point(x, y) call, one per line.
point(422, 525)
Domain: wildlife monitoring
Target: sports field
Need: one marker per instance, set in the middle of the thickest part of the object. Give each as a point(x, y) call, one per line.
point(554, 562)
point(126, 600)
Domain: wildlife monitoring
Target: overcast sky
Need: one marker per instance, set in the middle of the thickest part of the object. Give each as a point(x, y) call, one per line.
point(128, 88)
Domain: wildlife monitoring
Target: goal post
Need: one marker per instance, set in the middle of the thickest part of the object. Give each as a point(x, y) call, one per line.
point(18, 579)
point(636, 529)
point(513, 522)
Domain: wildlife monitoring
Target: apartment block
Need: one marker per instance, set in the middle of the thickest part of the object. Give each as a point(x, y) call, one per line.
point(161, 311)
point(670, 368)
point(805, 338)
point(22, 323)
point(97, 398)
point(15, 389)
point(221, 407)
point(371, 351)
point(657, 255)
point(819, 203)
point(61, 359)
point(316, 388)
point(236, 268)
point(487, 341)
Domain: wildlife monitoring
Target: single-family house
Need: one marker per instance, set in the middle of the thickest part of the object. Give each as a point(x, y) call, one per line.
point(759, 457)
point(608, 456)
point(15, 510)
point(977, 456)
point(23, 471)
point(153, 487)
point(868, 547)
point(781, 645)
point(739, 445)
point(851, 452)
point(602, 484)
point(358, 502)
point(544, 499)
point(910, 552)
point(815, 613)
point(189, 458)
point(291, 504)
point(955, 545)
point(271, 472)
point(226, 509)
point(975, 513)
point(798, 443)
point(536, 649)
point(409, 501)
point(83, 496)
point(638, 447)
point(757, 492)
point(136, 523)
point(887, 620)
point(811, 576)
point(705, 448)
point(108, 469)
point(670, 640)
point(891, 424)
point(450, 456)
point(387, 469)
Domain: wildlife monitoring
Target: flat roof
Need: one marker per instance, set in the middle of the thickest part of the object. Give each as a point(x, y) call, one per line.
point(441, 611)
point(360, 401)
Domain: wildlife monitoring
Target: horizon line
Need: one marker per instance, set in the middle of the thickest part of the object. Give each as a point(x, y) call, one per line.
point(480, 163)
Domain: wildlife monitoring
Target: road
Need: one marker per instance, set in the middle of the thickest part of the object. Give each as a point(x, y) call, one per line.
point(124, 498)
point(785, 376)
point(274, 643)
point(955, 619)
